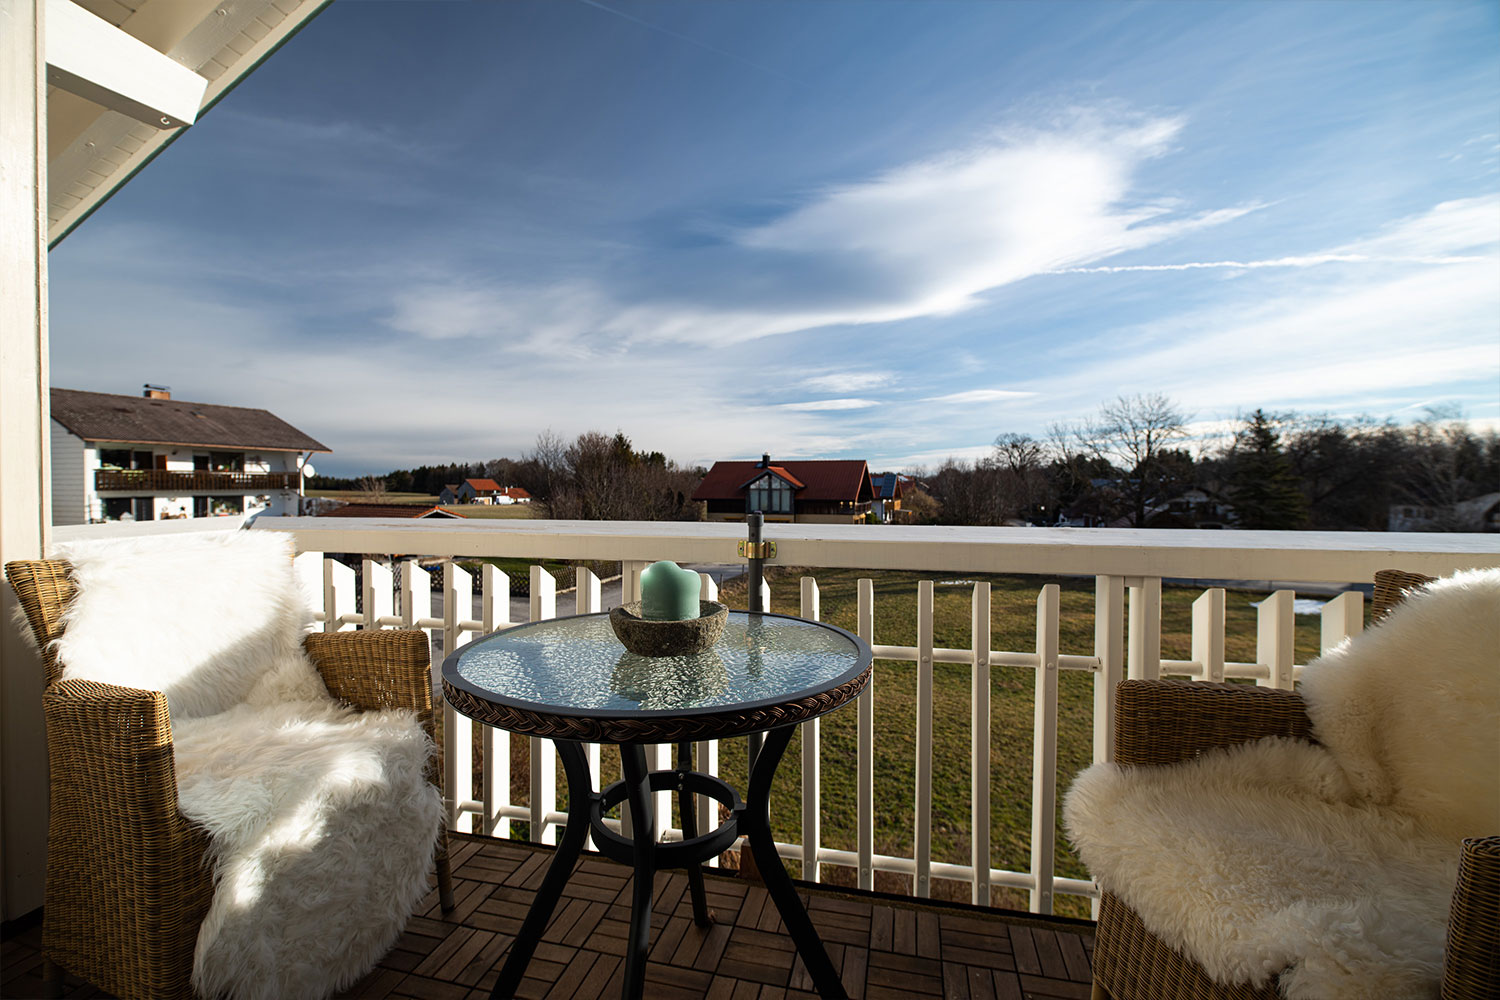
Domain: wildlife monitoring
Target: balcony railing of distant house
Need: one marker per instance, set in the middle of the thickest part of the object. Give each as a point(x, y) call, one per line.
point(1123, 568)
point(168, 481)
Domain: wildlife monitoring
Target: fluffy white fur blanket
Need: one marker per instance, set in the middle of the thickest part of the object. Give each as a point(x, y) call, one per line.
point(321, 820)
point(1329, 865)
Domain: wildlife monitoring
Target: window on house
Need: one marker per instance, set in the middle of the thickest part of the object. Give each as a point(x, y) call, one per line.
point(223, 506)
point(116, 508)
point(226, 461)
point(770, 495)
point(118, 458)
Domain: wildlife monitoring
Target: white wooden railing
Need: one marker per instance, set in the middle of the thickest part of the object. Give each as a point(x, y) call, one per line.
point(1127, 568)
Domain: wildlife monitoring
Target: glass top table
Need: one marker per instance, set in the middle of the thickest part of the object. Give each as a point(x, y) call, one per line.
point(570, 678)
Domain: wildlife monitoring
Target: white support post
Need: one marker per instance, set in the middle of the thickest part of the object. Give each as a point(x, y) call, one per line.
point(25, 442)
point(543, 753)
point(379, 593)
point(1109, 647)
point(922, 835)
point(495, 743)
point(1044, 751)
point(1208, 634)
point(587, 592)
point(1344, 616)
point(706, 760)
point(630, 582)
point(979, 743)
point(338, 595)
point(865, 795)
point(811, 744)
point(458, 754)
point(765, 594)
point(1275, 636)
point(1145, 629)
point(707, 590)
point(587, 600)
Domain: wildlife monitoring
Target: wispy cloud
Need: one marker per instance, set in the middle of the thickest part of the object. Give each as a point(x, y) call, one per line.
point(979, 396)
point(926, 239)
point(848, 381)
point(816, 405)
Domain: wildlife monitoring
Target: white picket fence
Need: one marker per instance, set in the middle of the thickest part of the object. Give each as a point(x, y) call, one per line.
point(1127, 642)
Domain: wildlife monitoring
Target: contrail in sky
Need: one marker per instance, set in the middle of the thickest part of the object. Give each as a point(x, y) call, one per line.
point(691, 41)
point(1309, 261)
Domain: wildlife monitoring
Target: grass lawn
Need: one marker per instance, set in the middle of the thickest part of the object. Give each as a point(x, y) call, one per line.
point(514, 510)
point(1012, 693)
point(359, 496)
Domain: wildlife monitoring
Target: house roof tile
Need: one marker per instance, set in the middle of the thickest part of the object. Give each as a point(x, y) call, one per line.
point(104, 416)
point(816, 479)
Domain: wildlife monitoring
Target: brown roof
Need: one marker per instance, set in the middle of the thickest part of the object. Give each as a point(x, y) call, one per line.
point(388, 510)
point(104, 416)
point(515, 493)
point(483, 485)
point(817, 479)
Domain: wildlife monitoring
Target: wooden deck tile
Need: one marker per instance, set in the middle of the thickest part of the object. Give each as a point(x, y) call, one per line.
point(882, 948)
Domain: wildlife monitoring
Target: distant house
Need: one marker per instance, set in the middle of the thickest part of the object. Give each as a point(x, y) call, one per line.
point(485, 491)
point(1194, 508)
point(887, 488)
point(1481, 513)
point(815, 491)
point(410, 510)
point(477, 491)
point(150, 457)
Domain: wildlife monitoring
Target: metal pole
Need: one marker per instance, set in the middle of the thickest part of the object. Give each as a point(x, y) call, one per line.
point(756, 577)
point(757, 564)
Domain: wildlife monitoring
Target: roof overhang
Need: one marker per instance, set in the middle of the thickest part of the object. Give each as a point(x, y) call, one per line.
point(126, 77)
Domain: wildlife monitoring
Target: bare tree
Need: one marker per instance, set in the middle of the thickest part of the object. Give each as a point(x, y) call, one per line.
point(372, 489)
point(1133, 433)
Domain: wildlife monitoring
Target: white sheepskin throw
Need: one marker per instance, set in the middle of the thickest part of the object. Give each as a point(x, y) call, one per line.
point(322, 824)
point(202, 618)
point(1331, 866)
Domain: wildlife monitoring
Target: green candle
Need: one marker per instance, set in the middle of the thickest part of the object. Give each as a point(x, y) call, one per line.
point(669, 592)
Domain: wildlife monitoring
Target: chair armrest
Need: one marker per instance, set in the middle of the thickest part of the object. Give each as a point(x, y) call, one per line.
point(376, 669)
point(1471, 961)
point(1163, 722)
point(123, 864)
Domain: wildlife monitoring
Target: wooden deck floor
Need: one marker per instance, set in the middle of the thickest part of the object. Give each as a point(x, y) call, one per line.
point(884, 948)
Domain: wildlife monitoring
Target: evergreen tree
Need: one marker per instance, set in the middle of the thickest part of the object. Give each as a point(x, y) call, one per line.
point(1262, 485)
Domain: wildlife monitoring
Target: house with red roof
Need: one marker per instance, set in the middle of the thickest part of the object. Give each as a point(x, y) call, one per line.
point(817, 491)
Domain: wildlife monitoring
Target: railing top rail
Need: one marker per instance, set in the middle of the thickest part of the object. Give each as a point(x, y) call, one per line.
point(1340, 557)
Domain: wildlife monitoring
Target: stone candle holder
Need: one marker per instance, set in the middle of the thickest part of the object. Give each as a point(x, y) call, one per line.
point(646, 637)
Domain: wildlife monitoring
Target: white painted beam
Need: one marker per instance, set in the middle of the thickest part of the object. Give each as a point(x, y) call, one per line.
point(88, 56)
point(25, 442)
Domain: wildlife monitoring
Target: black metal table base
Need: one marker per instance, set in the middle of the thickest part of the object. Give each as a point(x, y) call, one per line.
point(641, 851)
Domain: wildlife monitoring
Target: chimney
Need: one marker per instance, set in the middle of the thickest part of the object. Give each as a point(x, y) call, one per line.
point(156, 391)
point(765, 459)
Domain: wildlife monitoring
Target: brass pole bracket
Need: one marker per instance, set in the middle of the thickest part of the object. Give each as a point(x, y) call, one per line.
point(757, 550)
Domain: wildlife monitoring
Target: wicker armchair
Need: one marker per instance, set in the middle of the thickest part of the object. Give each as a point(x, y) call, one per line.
point(127, 881)
point(1164, 722)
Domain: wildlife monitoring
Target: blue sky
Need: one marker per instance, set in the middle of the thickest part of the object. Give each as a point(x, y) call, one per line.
point(425, 232)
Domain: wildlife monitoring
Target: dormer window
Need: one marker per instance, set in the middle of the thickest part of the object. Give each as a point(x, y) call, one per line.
point(770, 494)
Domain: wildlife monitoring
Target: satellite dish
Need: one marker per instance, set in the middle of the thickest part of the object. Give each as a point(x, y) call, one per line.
point(308, 471)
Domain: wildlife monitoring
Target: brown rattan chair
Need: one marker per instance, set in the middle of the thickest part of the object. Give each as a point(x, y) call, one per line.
point(127, 880)
point(1164, 722)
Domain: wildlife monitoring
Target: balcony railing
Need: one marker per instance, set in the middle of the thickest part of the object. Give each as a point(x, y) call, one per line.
point(1123, 568)
point(165, 480)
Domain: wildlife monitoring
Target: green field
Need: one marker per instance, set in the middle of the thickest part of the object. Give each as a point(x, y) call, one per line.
point(1012, 692)
point(518, 510)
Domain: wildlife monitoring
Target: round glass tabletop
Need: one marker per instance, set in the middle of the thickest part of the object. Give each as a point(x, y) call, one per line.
point(576, 666)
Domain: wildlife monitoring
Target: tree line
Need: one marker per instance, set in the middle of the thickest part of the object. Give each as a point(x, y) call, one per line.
point(1136, 464)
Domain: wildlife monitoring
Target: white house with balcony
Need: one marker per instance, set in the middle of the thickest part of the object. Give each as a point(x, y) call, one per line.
point(155, 458)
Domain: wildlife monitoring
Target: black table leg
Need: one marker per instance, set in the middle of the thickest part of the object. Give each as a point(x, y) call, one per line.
point(643, 822)
point(686, 803)
point(756, 824)
point(580, 788)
